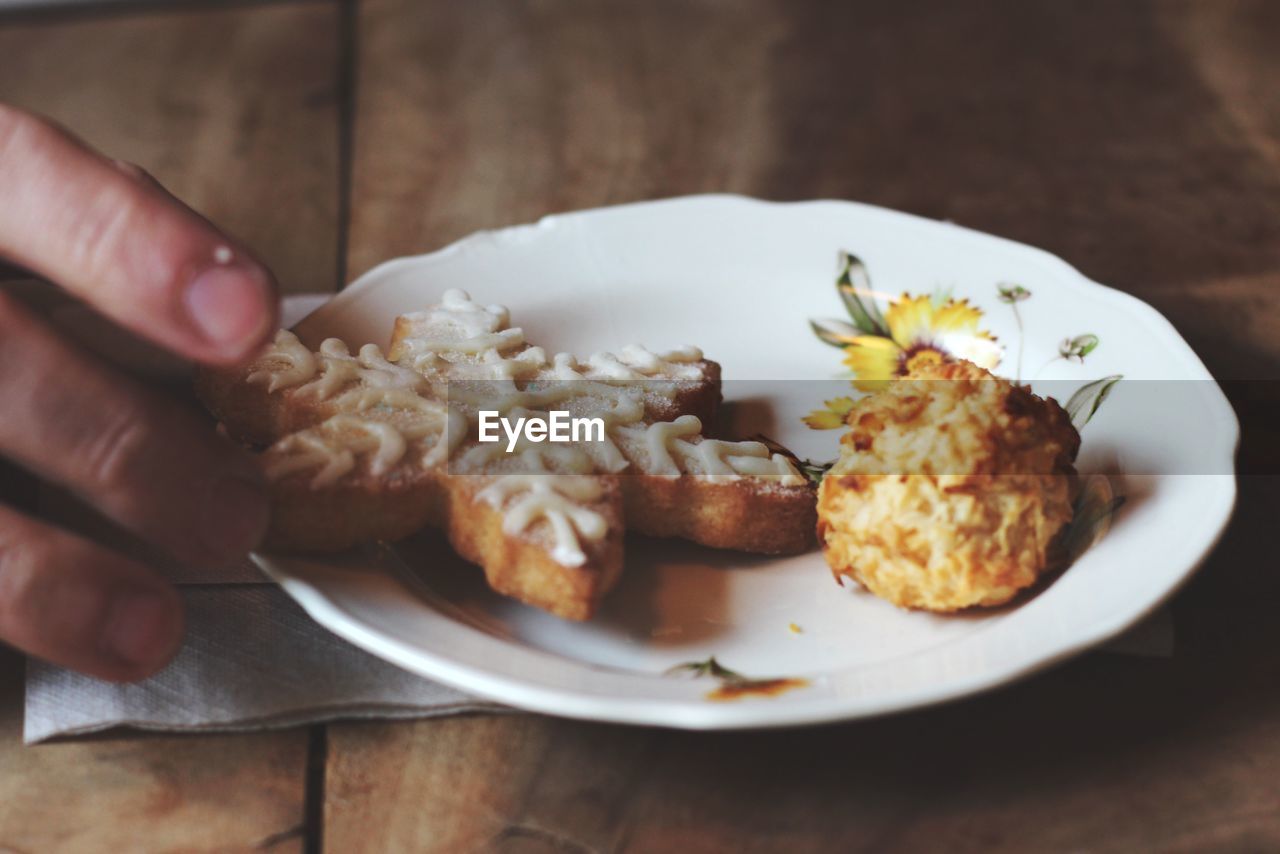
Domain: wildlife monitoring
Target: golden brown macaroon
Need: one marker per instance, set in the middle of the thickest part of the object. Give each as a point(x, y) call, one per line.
point(951, 489)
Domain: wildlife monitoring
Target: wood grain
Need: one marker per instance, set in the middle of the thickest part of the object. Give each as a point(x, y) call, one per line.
point(236, 111)
point(153, 793)
point(1021, 118)
point(1138, 140)
point(1098, 756)
point(494, 113)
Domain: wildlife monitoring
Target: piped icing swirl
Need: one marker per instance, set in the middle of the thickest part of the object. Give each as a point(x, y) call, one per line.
point(287, 363)
point(557, 499)
point(336, 445)
point(459, 325)
point(674, 448)
point(468, 340)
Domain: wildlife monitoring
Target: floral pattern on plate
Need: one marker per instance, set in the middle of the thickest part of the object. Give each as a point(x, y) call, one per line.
point(911, 331)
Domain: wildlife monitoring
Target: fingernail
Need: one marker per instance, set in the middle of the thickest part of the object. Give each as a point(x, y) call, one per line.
point(236, 517)
point(143, 627)
point(229, 305)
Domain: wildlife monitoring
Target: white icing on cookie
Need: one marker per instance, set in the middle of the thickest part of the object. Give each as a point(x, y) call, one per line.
point(658, 439)
point(678, 363)
point(286, 363)
point(336, 445)
point(634, 362)
point(565, 367)
point(376, 371)
point(321, 375)
point(720, 460)
point(308, 450)
point(607, 366)
point(451, 438)
point(673, 448)
point(459, 325)
point(557, 499)
point(457, 308)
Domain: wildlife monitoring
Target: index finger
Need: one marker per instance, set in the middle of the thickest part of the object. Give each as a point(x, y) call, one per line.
point(127, 247)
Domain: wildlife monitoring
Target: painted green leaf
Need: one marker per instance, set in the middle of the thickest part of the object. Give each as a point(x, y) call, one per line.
point(1082, 405)
point(837, 333)
point(1094, 509)
point(710, 667)
point(815, 472)
point(853, 284)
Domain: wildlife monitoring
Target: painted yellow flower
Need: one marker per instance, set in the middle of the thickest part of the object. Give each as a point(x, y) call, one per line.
point(832, 416)
point(911, 333)
point(920, 332)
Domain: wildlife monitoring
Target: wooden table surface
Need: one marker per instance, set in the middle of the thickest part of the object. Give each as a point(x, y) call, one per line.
point(1139, 140)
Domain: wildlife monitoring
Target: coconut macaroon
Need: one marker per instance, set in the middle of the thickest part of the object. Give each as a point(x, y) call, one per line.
point(951, 489)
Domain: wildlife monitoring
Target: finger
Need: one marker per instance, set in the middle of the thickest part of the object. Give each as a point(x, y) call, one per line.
point(123, 244)
point(134, 171)
point(76, 604)
point(147, 462)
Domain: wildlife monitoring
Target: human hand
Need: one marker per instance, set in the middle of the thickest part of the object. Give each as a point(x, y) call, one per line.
point(111, 235)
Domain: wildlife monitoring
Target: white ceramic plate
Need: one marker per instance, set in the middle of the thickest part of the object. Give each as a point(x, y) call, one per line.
point(742, 278)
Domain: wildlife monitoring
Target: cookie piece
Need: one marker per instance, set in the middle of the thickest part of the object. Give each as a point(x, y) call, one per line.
point(367, 447)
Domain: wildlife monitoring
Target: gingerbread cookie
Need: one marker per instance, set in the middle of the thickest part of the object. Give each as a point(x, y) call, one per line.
point(371, 447)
